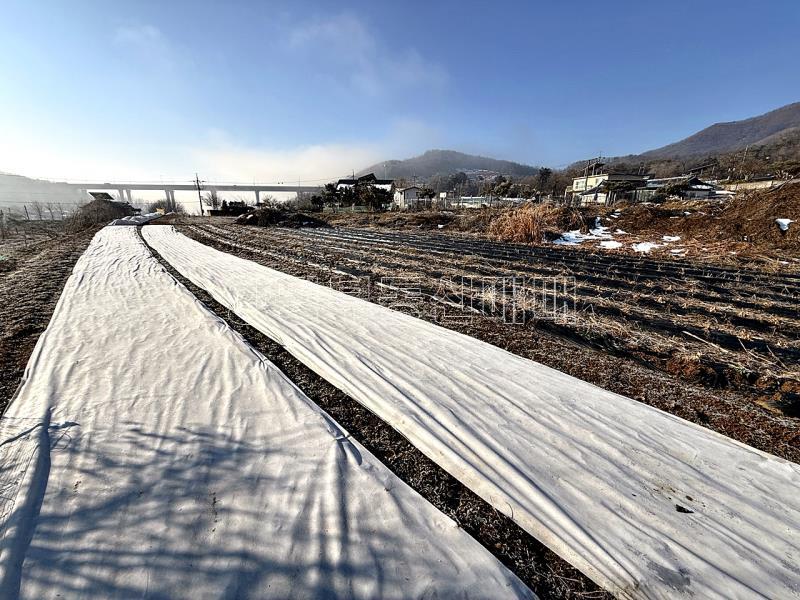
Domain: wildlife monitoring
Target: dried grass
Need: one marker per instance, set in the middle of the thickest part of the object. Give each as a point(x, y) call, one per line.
point(533, 223)
point(95, 212)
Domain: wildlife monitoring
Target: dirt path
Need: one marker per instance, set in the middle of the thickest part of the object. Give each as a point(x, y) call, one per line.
point(28, 294)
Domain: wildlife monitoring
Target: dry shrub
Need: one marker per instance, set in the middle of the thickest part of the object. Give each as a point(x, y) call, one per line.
point(534, 223)
point(745, 223)
point(752, 217)
point(274, 216)
point(96, 212)
point(476, 220)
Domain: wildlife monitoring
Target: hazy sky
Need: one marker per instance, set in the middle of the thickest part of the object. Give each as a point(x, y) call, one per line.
point(288, 91)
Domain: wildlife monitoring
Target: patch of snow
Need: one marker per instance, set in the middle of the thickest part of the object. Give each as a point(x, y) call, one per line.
point(611, 244)
point(570, 238)
point(671, 238)
point(646, 247)
point(620, 232)
point(440, 226)
point(575, 237)
point(784, 224)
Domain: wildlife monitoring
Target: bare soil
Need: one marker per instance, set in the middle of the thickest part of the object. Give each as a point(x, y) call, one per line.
point(29, 291)
point(736, 232)
point(718, 348)
point(542, 570)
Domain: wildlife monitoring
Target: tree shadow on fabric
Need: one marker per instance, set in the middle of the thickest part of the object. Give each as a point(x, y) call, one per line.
point(199, 512)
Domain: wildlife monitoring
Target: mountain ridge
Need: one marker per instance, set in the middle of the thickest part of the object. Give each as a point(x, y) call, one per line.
point(731, 136)
point(446, 162)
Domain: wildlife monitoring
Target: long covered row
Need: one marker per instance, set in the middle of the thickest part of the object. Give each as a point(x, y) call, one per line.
point(647, 504)
point(151, 453)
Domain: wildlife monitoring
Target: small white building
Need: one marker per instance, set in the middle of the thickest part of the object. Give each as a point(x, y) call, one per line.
point(409, 198)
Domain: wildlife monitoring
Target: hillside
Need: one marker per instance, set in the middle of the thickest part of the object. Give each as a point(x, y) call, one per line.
point(732, 136)
point(446, 162)
point(772, 141)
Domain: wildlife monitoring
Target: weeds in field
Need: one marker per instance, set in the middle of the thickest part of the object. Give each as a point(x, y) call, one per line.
point(94, 213)
point(534, 223)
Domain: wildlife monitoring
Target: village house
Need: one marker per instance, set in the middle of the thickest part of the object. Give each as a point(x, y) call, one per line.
point(602, 188)
point(368, 179)
point(410, 198)
point(685, 186)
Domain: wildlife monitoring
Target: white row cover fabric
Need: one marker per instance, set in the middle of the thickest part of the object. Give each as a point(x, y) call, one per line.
point(151, 453)
point(645, 503)
point(136, 219)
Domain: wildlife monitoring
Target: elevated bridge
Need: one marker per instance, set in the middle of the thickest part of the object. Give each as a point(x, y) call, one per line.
point(169, 189)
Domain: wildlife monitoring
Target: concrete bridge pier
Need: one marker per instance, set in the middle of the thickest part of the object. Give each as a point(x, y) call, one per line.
point(258, 196)
point(128, 196)
point(170, 196)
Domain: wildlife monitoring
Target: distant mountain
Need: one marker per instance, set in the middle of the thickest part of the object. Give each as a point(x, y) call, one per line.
point(446, 162)
point(764, 130)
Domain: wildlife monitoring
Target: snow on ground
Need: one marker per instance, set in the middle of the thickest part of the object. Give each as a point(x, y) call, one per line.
point(648, 505)
point(575, 237)
point(645, 247)
point(605, 238)
point(784, 224)
point(151, 453)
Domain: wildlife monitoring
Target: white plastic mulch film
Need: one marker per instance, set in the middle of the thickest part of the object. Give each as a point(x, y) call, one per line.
point(151, 453)
point(645, 503)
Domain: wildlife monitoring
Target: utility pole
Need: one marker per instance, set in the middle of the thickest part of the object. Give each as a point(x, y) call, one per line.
point(744, 158)
point(199, 196)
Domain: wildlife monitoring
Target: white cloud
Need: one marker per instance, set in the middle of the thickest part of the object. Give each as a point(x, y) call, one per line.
point(147, 42)
point(346, 49)
point(215, 155)
point(138, 35)
point(311, 164)
point(221, 158)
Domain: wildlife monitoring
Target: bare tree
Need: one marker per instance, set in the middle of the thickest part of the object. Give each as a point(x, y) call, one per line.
point(212, 199)
point(38, 210)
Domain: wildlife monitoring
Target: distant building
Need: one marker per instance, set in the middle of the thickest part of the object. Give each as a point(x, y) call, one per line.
point(105, 196)
point(472, 202)
point(102, 196)
point(234, 208)
point(410, 198)
point(597, 182)
point(595, 188)
point(686, 186)
point(368, 179)
point(756, 183)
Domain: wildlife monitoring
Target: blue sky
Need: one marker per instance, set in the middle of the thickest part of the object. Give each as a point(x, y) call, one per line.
point(288, 91)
